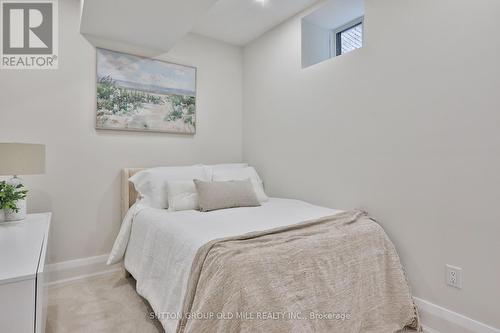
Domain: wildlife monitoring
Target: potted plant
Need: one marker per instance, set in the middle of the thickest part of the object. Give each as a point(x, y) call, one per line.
point(12, 201)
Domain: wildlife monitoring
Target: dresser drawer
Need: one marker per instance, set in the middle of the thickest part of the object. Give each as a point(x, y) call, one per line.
point(17, 306)
point(23, 248)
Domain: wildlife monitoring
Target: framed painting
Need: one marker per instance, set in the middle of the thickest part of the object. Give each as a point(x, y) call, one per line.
point(143, 94)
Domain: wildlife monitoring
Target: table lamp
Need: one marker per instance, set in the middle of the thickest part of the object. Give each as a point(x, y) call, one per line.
point(20, 159)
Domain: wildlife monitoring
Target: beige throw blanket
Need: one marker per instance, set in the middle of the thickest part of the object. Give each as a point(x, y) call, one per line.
point(335, 274)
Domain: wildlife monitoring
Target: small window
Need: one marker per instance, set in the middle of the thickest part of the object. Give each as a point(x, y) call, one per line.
point(349, 38)
point(335, 28)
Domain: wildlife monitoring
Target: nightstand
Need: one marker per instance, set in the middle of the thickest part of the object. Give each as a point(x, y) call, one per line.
point(23, 289)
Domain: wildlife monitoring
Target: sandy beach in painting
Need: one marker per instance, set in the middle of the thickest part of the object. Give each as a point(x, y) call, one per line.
point(150, 117)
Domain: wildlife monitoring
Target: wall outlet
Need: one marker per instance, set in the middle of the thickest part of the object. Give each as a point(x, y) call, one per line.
point(454, 276)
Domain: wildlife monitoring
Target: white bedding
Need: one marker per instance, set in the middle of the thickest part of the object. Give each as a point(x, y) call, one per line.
point(161, 245)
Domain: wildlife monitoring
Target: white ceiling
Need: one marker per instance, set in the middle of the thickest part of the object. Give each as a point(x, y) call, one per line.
point(159, 24)
point(240, 21)
point(153, 24)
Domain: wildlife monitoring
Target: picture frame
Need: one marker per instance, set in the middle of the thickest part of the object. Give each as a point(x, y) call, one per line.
point(136, 93)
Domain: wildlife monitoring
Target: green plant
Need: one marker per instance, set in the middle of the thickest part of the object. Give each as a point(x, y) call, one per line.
point(183, 108)
point(10, 195)
point(112, 99)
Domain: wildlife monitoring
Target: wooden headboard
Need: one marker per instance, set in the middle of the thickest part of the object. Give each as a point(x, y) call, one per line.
point(129, 194)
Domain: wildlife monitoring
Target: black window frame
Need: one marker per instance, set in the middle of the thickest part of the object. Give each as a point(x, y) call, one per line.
point(344, 28)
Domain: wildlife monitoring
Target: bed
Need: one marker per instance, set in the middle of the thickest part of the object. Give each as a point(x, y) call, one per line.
point(274, 268)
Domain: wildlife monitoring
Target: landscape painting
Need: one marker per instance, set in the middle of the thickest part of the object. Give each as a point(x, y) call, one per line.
point(143, 94)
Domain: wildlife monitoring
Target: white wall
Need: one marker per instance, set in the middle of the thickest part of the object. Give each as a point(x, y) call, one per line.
point(315, 43)
point(82, 184)
point(406, 128)
point(333, 14)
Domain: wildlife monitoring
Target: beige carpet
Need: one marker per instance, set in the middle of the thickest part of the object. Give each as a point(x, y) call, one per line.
point(106, 303)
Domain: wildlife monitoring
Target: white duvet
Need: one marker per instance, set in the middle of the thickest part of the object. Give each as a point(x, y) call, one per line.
point(159, 246)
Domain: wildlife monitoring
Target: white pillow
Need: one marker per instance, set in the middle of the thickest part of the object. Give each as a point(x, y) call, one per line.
point(228, 165)
point(225, 174)
point(182, 195)
point(151, 183)
point(210, 168)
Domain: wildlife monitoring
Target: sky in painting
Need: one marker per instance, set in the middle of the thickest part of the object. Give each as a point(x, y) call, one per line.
point(145, 71)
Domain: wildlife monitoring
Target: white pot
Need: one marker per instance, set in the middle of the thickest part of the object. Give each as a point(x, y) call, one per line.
point(11, 215)
point(2, 216)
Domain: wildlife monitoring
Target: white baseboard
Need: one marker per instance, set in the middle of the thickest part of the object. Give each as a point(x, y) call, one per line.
point(72, 270)
point(428, 329)
point(436, 319)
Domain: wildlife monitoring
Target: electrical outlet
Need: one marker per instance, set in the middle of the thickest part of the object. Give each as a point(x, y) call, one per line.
point(454, 276)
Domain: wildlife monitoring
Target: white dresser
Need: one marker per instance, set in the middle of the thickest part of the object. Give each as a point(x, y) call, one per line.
point(23, 291)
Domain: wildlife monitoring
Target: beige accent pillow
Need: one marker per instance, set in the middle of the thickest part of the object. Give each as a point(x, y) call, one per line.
point(228, 194)
point(224, 174)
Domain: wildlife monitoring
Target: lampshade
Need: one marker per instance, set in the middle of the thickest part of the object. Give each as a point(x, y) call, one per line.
point(22, 159)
